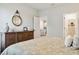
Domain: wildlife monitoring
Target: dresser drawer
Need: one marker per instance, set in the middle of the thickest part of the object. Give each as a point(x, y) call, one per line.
point(9, 42)
point(30, 33)
point(10, 38)
point(31, 37)
point(19, 37)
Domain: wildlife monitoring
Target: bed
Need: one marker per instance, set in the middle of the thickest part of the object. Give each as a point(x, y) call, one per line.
point(40, 46)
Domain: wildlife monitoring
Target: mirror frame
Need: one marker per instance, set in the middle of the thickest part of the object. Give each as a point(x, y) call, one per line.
point(19, 18)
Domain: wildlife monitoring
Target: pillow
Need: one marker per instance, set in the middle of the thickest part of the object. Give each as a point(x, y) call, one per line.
point(68, 41)
point(76, 42)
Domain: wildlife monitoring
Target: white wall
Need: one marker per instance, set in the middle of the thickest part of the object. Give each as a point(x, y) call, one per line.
point(8, 10)
point(55, 17)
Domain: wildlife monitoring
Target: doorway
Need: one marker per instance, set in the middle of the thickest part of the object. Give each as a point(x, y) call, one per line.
point(70, 25)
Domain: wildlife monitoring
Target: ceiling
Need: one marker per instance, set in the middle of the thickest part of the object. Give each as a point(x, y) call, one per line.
point(40, 6)
point(44, 6)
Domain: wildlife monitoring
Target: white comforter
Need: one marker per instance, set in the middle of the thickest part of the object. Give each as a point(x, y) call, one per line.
point(44, 45)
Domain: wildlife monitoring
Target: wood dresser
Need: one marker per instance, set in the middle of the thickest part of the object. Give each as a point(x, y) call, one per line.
point(15, 37)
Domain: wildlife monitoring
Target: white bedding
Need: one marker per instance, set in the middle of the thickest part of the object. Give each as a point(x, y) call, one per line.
point(40, 46)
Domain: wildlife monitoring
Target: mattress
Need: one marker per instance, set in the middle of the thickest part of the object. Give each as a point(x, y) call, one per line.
point(40, 46)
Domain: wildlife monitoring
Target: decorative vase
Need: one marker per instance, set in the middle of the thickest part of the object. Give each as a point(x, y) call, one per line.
point(25, 29)
point(7, 27)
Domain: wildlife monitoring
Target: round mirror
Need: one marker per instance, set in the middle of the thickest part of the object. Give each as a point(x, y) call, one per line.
point(16, 19)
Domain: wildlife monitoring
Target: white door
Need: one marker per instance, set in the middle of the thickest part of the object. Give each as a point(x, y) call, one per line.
point(36, 27)
point(70, 25)
point(0, 42)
